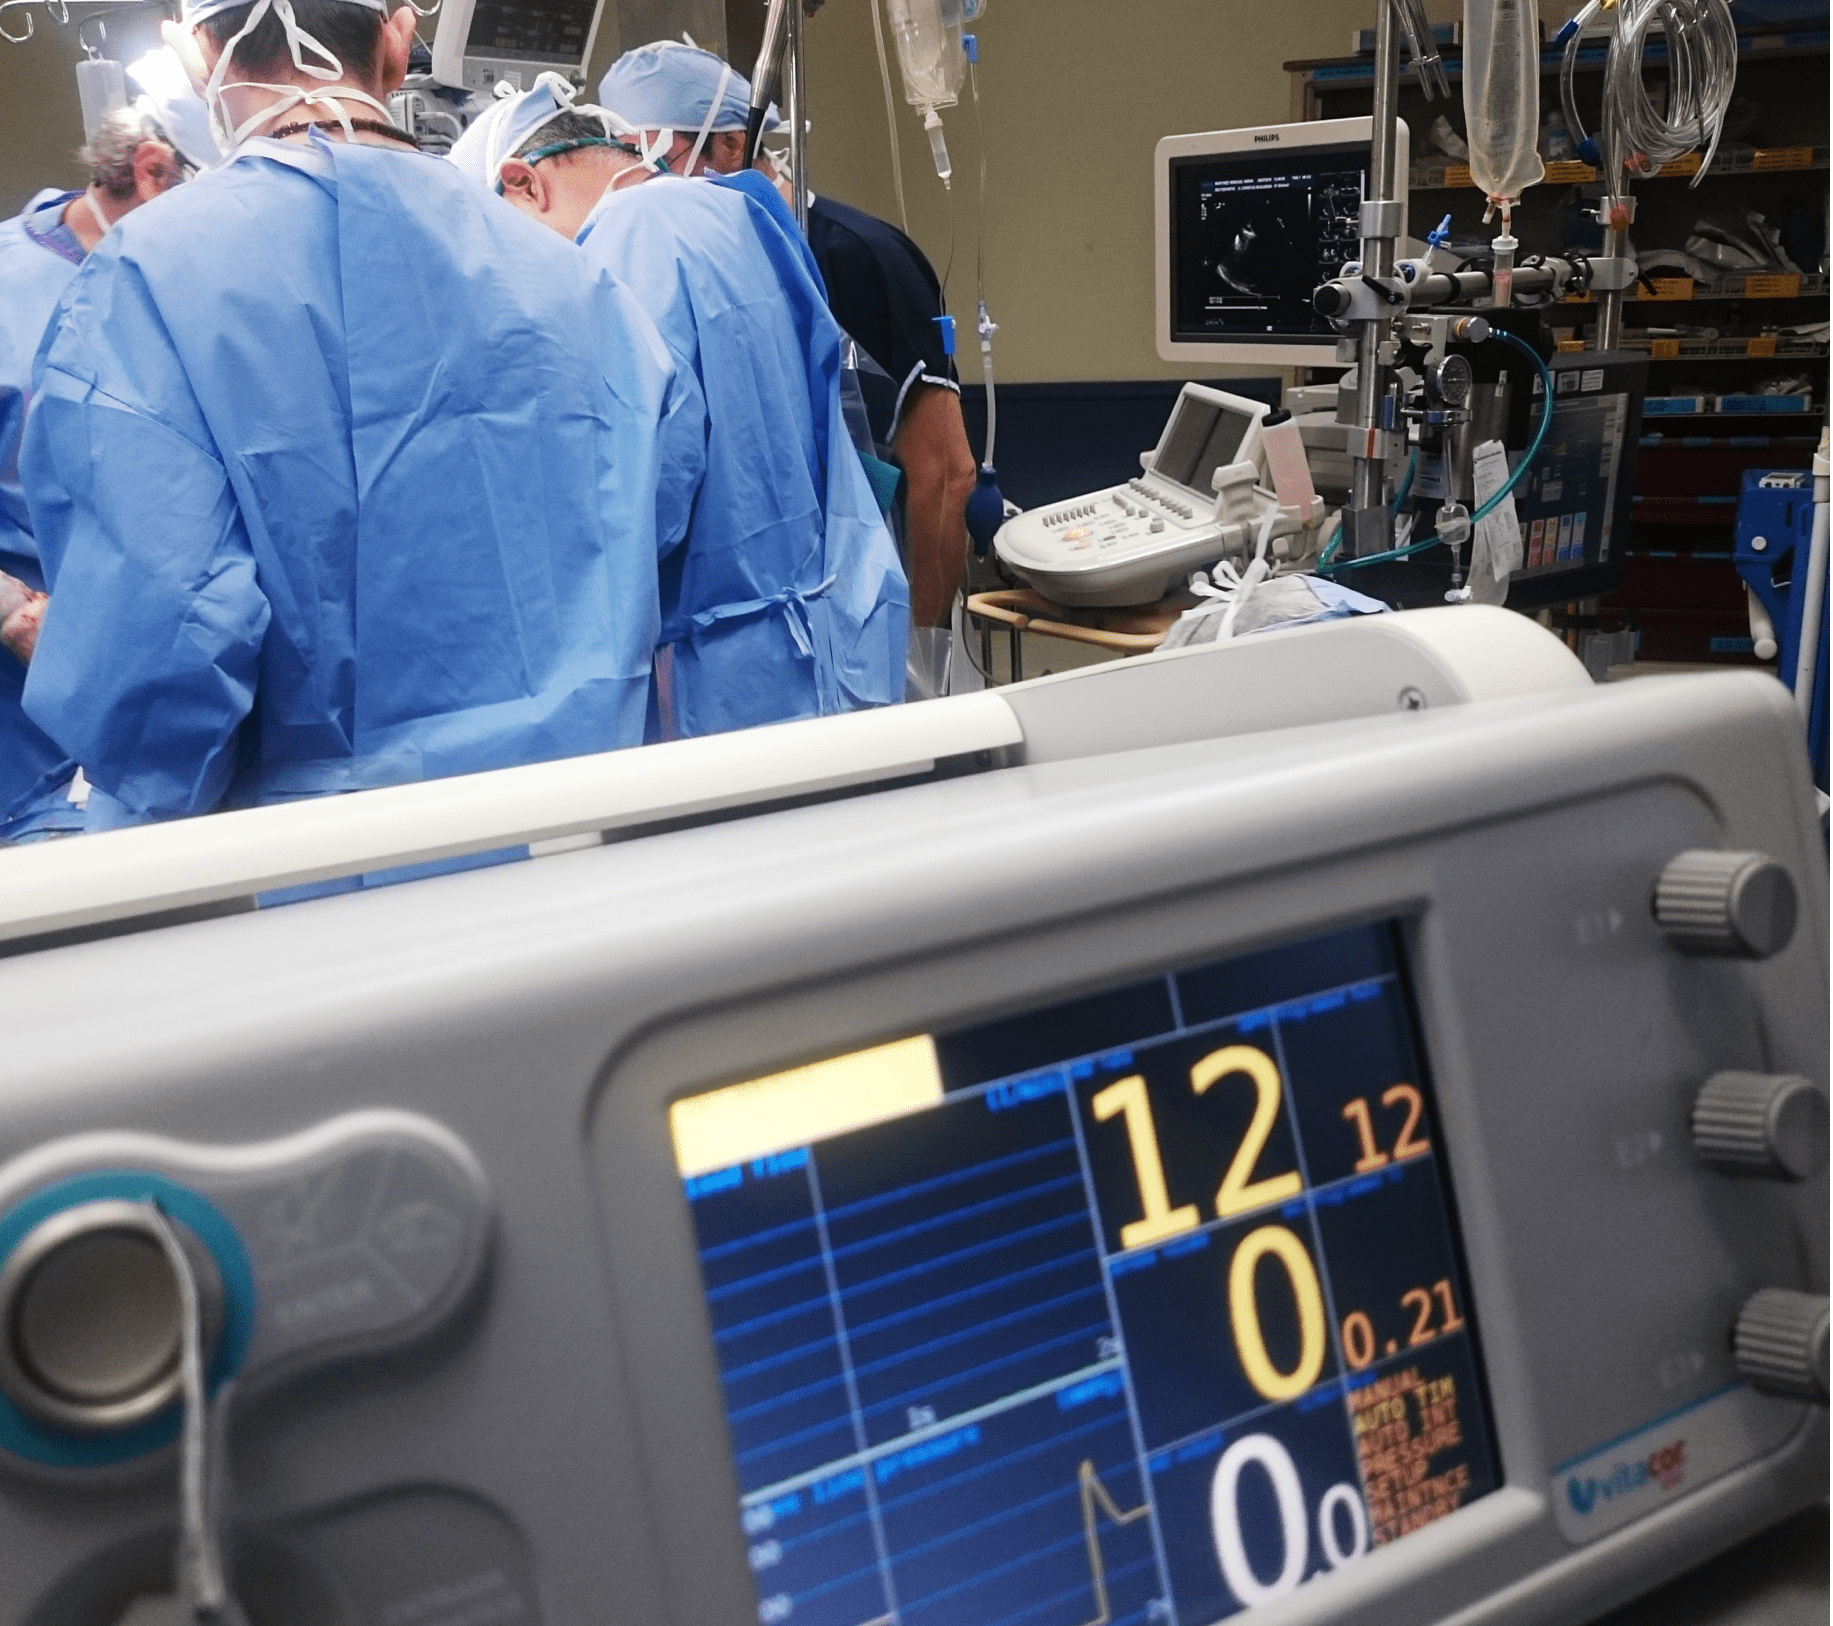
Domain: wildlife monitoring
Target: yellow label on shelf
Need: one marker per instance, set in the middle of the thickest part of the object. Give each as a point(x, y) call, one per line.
point(1772, 287)
point(1571, 347)
point(1783, 158)
point(1765, 346)
point(1457, 175)
point(1575, 299)
point(1664, 349)
point(1668, 288)
point(1568, 170)
point(1686, 164)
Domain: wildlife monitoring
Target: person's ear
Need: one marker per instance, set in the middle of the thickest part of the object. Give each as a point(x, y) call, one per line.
point(526, 187)
point(156, 170)
point(397, 42)
point(726, 152)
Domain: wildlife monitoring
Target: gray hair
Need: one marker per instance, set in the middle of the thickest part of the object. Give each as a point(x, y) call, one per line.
point(109, 154)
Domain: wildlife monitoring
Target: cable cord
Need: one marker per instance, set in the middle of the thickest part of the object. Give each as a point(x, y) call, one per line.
point(884, 75)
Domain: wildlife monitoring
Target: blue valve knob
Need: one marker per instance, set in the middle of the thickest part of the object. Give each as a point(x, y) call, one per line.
point(947, 325)
point(1439, 234)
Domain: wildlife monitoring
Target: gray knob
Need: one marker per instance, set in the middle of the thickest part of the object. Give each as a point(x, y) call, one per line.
point(1772, 1126)
point(1736, 905)
point(1781, 1344)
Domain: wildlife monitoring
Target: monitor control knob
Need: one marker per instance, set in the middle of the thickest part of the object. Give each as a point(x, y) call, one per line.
point(1766, 1125)
point(1780, 1344)
point(1726, 905)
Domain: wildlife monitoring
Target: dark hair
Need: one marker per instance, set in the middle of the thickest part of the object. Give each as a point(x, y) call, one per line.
point(562, 127)
point(352, 33)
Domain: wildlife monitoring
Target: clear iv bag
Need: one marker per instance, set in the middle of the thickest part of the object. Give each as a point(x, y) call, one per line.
point(929, 50)
point(1502, 95)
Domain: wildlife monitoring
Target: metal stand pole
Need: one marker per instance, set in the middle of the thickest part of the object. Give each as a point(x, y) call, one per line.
point(798, 112)
point(1367, 527)
point(1616, 214)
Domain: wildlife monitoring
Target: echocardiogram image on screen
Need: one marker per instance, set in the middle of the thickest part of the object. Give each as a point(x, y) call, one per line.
point(1253, 234)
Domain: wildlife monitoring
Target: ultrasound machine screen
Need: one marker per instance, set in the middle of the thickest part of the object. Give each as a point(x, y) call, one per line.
point(1144, 1306)
point(1253, 233)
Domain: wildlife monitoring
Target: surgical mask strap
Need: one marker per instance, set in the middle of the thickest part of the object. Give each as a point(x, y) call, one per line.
point(288, 96)
point(103, 223)
point(712, 112)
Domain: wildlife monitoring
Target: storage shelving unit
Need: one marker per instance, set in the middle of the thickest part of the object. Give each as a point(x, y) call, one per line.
point(1679, 589)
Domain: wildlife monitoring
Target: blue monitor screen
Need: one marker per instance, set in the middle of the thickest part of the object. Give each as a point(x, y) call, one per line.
point(1146, 1306)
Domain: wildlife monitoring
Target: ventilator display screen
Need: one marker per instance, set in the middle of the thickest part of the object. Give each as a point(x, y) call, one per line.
point(1253, 234)
point(1146, 1306)
point(545, 31)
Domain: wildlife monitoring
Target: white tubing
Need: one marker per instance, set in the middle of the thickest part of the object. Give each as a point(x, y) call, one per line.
point(1807, 644)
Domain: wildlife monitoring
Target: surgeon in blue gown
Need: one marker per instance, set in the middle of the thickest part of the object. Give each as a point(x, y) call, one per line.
point(132, 159)
point(344, 476)
point(788, 599)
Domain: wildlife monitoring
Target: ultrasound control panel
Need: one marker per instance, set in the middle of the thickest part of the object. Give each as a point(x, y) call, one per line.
point(1133, 543)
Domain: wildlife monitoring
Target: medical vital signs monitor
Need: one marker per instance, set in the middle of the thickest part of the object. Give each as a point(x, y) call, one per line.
point(1249, 222)
point(479, 43)
point(1353, 1173)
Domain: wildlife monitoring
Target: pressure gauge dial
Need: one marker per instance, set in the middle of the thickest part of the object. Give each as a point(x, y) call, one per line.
point(1451, 380)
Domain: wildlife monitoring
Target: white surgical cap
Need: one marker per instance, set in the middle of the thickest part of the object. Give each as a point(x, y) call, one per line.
point(507, 124)
point(671, 86)
point(169, 101)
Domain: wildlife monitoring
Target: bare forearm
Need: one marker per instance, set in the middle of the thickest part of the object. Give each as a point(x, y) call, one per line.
point(931, 444)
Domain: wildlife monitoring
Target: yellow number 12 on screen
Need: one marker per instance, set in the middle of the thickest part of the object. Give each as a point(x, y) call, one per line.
point(1239, 1191)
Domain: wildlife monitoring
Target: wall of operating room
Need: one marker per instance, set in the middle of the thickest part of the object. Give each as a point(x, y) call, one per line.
point(1075, 94)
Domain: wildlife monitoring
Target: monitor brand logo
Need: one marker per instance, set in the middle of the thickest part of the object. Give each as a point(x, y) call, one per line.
point(1269, 136)
point(1664, 1467)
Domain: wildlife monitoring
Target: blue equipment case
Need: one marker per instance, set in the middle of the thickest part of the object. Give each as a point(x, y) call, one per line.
point(1775, 526)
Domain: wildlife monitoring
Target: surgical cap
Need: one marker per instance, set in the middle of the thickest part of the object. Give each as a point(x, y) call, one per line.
point(197, 11)
point(506, 125)
point(169, 101)
point(671, 86)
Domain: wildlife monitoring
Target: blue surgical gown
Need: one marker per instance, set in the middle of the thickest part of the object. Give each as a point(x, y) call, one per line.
point(34, 773)
point(788, 599)
point(344, 476)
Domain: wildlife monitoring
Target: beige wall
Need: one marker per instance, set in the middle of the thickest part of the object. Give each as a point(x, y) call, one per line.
point(41, 124)
point(1075, 95)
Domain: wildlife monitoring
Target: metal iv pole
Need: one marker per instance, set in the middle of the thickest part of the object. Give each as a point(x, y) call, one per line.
point(797, 85)
point(1368, 526)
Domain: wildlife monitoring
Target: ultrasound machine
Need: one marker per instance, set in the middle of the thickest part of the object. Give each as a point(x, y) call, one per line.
point(1326, 1128)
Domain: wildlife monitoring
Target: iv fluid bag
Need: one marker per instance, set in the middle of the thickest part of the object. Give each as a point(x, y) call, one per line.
point(929, 50)
point(1502, 94)
point(101, 86)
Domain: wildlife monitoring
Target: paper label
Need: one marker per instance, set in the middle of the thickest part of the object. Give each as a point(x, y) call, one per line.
point(1498, 545)
point(1664, 349)
point(1765, 346)
point(1772, 287)
point(1783, 158)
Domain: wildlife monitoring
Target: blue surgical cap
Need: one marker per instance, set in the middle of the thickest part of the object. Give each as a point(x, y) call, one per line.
point(507, 124)
point(167, 98)
point(671, 86)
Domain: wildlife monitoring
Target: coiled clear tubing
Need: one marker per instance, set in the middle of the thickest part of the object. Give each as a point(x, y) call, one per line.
point(1634, 133)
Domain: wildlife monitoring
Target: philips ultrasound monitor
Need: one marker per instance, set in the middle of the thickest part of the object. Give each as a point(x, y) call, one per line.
point(1249, 222)
point(479, 44)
